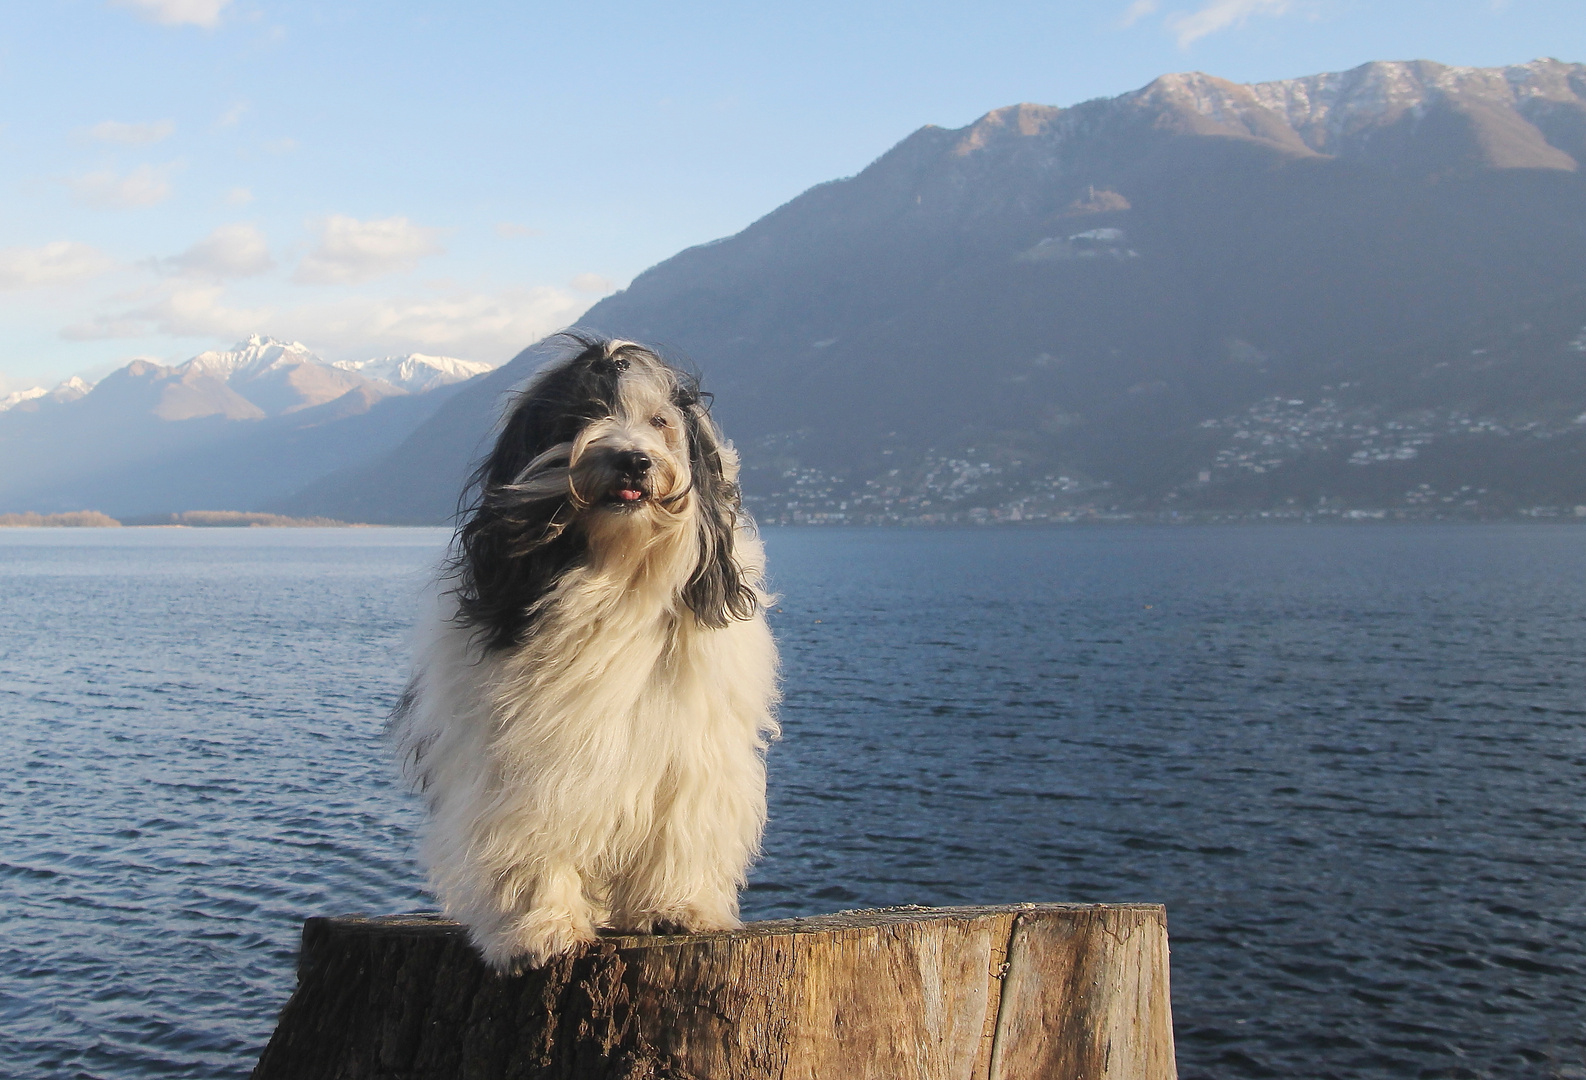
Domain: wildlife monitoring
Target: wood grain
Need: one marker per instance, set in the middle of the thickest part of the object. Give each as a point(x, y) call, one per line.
point(1059, 991)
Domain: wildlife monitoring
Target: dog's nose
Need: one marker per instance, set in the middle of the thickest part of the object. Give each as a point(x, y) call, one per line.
point(634, 462)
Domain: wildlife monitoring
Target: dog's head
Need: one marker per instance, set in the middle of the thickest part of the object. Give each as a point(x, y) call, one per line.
point(609, 448)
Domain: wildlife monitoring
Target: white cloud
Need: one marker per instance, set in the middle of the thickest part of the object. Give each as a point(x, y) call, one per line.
point(197, 312)
point(177, 12)
point(1138, 10)
point(483, 326)
point(60, 263)
point(232, 116)
point(350, 250)
point(593, 283)
point(143, 186)
point(178, 311)
point(231, 251)
point(486, 326)
point(511, 230)
point(129, 325)
point(1220, 15)
point(239, 196)
point(113, 131)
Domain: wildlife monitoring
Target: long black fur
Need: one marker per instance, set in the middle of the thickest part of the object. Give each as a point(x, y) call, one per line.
point(511, 550)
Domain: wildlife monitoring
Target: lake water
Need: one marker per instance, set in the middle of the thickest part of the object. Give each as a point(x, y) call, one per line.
point(1351, 761)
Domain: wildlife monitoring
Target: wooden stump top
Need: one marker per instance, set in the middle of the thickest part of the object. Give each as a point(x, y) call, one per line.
point(1030, 991)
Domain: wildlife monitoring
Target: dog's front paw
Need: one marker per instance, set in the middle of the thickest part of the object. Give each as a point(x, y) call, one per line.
point(684, 920)
point(708, 911)
point(535, 939)
point(695, 922)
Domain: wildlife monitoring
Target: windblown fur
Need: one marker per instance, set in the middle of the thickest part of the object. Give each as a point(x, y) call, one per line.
point(594, 690)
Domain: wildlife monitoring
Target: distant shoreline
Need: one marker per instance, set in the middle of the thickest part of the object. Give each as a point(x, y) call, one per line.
point(76, 519)
point(191, 519)
point(236, 519)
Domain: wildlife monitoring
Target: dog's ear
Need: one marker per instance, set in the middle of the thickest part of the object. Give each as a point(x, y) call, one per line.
point(720, 590)
point(514, 542)
point(508, 558)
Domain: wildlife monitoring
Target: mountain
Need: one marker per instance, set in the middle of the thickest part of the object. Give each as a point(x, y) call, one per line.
point(275, 377)
point(416, 373)
point(70, 390)
point(1349, 293)
point(224, 430)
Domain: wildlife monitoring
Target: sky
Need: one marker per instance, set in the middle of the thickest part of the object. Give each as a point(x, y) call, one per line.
point(461, 178)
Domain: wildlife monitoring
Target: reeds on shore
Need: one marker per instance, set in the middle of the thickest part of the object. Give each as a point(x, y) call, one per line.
point(198, 519)
point(92, 519)
point(221, 519)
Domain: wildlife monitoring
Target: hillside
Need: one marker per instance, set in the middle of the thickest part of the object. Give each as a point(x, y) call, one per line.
point(1355, 290)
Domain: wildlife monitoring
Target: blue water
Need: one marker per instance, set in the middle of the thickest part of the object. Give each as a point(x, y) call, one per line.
point(1351, 761)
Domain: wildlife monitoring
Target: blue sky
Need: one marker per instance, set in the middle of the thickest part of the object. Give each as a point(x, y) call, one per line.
point(460, 178)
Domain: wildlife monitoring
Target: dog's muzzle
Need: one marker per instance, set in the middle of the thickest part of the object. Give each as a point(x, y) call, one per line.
point(632, 486)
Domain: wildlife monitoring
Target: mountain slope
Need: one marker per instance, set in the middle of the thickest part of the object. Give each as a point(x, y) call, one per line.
point(419, 482)
point(1074, 307)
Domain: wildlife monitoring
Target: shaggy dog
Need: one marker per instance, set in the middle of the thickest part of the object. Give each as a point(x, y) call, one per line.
point(592, 698)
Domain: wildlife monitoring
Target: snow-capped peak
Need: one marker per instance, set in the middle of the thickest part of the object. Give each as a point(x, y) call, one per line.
point(416, 372)
point(251, 357)
point(1323, 109)
point(1373, 89)
point(17, 397)
point(70, 390)
point(254, 366)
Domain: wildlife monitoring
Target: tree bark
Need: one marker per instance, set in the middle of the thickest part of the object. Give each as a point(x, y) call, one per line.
point(1032, 992)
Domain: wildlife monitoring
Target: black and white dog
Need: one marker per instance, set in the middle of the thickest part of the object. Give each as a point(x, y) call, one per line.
point(594, 691)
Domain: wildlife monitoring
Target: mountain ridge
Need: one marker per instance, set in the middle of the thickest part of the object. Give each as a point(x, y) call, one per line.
point(1354, 292)
point(288, 374)
point(1091, 308)
point(225, 429)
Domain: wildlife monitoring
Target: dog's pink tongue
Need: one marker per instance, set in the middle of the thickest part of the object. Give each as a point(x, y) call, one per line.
point(630, 494)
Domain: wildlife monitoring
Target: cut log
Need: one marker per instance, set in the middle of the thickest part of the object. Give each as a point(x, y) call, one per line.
point(1033, 992)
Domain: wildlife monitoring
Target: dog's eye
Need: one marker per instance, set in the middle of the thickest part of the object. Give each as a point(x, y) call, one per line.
point(659, 421)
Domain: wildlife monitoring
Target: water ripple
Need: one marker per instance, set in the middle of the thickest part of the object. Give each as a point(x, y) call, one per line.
point(1349, 760)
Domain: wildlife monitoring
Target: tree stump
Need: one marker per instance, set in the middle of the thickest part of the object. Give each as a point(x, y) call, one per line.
point(1032, 992)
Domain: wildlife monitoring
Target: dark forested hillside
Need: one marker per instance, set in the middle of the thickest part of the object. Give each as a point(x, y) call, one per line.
point(1363, 290)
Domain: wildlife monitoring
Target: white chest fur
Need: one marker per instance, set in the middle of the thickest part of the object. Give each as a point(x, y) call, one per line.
point(608, 771)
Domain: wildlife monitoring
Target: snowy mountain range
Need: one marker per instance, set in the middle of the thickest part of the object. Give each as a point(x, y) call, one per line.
point(263, 377)
point(1344, 112)
point(417, 373)
point(70, 390)
point(225, 429)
